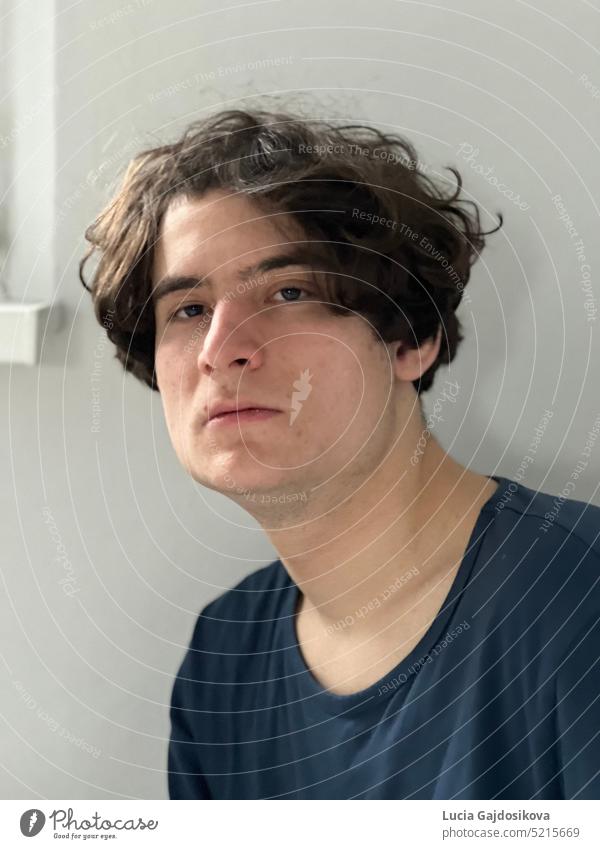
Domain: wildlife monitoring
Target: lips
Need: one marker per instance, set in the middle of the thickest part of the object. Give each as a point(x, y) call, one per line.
point(239, 410)
point(219, 409)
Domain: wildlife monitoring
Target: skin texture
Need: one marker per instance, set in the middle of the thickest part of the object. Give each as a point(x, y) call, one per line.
point(333, 485)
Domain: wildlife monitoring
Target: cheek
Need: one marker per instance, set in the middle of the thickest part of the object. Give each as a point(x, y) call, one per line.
point(361, 389)
point(341, 391)
point(174, 367)
point(174, 382)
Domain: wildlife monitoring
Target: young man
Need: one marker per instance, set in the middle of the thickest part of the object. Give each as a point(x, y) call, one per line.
point(289, 287)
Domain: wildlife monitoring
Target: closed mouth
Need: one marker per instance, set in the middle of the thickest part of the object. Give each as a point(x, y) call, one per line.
point(236, 413)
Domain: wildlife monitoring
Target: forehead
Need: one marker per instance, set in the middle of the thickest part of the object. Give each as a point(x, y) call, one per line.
point(218, 232)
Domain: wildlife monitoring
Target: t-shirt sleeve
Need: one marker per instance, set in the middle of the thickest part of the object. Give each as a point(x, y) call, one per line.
point(185, 778)
point(578, 715)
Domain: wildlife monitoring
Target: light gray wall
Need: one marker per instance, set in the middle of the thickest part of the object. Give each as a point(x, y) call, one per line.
point(86, 677)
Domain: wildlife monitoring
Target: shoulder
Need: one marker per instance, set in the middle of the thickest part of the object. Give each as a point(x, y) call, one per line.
point(558, 516)
point(240, 615)
point(549, 550)
point(256, 592)
point(231, 639)
point(556, 525)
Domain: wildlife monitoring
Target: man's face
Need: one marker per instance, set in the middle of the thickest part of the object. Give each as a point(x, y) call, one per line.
point(263, 340)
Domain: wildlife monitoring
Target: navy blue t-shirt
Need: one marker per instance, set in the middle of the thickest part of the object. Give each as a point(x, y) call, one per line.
point(500, 699)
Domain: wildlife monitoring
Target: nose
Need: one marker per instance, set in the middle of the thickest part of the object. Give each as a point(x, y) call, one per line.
point(233, 338)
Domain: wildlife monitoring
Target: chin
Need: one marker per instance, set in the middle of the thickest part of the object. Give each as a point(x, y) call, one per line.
point(260, 488)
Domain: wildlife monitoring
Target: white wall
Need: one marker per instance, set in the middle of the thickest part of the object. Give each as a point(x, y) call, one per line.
point(145, 547)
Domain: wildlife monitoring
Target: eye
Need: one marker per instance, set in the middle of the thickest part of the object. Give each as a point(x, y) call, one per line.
point(187, 307)
point(176, 317)
point(292, 289)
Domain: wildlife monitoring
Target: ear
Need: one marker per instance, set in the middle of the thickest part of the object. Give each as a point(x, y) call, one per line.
point(411, 363)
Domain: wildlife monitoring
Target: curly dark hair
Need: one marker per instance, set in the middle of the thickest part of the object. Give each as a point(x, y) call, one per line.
point(367, 208)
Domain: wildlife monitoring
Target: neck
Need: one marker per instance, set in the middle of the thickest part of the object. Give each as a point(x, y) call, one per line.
point(379, 547)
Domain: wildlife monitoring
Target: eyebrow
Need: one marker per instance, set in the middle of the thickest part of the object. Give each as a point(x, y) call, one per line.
point(182, 282)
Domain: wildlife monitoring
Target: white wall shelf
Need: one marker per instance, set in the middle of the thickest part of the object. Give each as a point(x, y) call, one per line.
point(22, 328)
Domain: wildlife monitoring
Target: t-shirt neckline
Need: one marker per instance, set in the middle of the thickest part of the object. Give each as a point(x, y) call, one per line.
point(335, 703)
